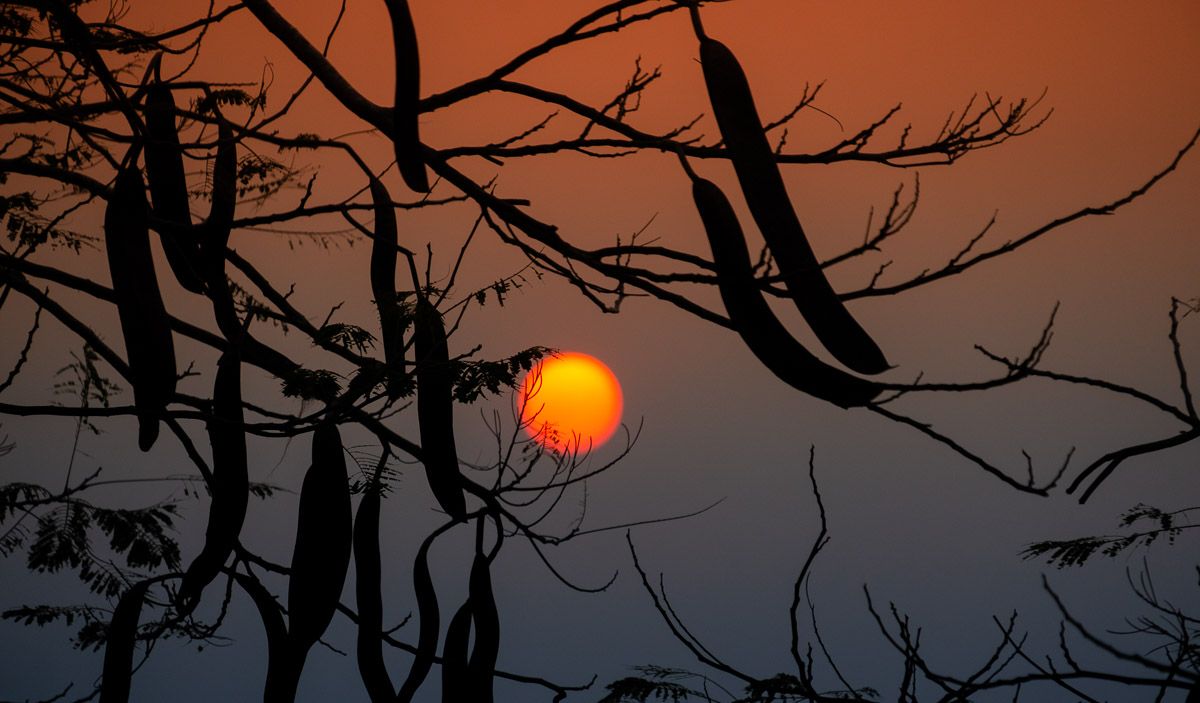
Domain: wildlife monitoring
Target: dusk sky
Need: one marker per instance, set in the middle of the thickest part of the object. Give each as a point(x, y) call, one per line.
point(918, 524)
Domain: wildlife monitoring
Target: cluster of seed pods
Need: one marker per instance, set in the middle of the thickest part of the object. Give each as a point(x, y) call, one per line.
point(326, 532)
point(767, 198)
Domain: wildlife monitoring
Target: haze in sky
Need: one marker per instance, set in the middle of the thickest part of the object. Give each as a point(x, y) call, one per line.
point(718, 437)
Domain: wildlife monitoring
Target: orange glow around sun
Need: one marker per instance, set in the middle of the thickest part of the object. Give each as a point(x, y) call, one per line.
point(570, 402)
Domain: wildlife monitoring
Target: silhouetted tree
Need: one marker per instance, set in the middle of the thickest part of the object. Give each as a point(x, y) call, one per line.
point(1157, 655)
point(103, 115)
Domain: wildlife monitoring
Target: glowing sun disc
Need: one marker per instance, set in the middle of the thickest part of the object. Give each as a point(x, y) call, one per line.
point(570, 402)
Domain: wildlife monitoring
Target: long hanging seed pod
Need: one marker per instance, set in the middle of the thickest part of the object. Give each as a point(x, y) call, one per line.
point(481, 667)
point(406, 133)
point(144, 324)
point(276, 689)
point(767, 197)
point(219, 224)
point(323, 544)
point(435, 408)
point(230, 482)
point(455, 665)
point(427, 610)
point(383, 286)
point(215, 234)
point(752, 317)
point(367, 577)
point(116, 680)
point(168, 186)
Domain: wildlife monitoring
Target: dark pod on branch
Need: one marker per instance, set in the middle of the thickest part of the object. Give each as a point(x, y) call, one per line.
point(230, 486)
point(214, 235)
point(383, 286)
point(435, 408)
point(767, 197)
point(280, 686)
point(368, 591)
point(406, 133)
point(455, 665)
point(168, 187)
point(753, 318)
point(116, 680)
point(144, 323)
point(323, 544)
point(219, 225)
point(481, 667)
point(427, 611)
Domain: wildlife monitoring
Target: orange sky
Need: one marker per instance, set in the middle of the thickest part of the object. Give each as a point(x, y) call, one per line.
point(1124, 84)
point(1118, 77)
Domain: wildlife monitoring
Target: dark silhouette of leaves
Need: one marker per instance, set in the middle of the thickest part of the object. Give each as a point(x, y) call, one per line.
point(308, 384)
point(1077, 551)
point(641, 690)
point(63, 538)
point(141, 535)
point(474, 379)
point(349, 337)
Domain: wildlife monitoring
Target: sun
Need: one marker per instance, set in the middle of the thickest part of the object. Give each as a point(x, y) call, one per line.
point(570, 402)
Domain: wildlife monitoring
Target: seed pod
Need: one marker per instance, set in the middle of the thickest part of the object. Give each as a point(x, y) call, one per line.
point(427, 610)
point(276, 689)
point(323, 543)
point(752, 317)
point(455, 688)
point(168, 187)
point(405, 114)
point(435, 409)
point(116, 680)
point(215, 235)
point(230, 482)
point(144, 324)
point(767, 197)
point(225, 313)
point(367, 577)
point(383, 285)
point(224, 203)
point(482, 665)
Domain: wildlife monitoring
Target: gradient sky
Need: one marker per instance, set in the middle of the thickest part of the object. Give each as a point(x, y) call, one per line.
point(922, 527)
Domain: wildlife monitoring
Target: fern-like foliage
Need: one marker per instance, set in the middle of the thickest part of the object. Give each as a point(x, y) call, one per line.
point(350, 337)
point(1077, 551)
point(477, 378)
point(222, 97)
point(90, 620)
point(640, 690)
point(310, 384)
point(656, 683)
point(83, 379)
point(68, 534)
